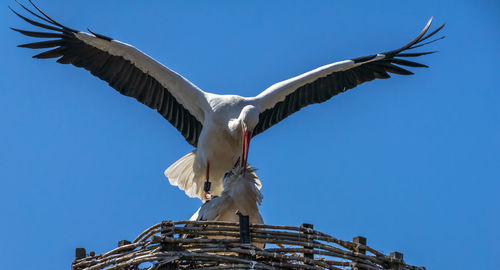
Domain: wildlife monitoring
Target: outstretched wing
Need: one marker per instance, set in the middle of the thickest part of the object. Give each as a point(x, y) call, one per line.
point(126, 69)
point(316, 86)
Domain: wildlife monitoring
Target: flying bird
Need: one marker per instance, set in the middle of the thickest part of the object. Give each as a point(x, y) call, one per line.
point(220, 127)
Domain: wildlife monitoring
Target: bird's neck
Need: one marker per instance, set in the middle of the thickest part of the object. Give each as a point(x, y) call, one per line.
point(244, 188)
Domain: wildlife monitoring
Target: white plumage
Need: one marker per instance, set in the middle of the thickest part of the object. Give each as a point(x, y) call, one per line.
point(241, 193)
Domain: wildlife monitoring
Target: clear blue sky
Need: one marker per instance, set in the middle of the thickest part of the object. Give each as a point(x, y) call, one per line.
point(412, 163)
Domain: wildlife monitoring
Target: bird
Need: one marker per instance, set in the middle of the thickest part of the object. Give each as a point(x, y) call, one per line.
point(219, 127)
point(241, 194)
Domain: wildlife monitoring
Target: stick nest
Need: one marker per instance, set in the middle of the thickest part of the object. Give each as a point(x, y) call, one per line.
point(217, 245)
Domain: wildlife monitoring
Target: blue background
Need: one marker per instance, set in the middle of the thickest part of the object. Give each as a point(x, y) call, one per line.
point(411, 163)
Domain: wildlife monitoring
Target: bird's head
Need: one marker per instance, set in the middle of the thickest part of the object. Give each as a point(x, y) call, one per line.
point(242, 185)
point(249, 117)
point(242, 127)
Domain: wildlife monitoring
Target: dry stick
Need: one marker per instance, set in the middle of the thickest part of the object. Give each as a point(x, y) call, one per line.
point(351, 264)
point(282, 248)
point(204, 223)
point(145, 250)
point(148, 235)
point(115, 261)
point(145, 232)
point(109, 261)
point(158, 239)
point(224, 223)
point(205, 228)
point(117, 251)
point(231, 266)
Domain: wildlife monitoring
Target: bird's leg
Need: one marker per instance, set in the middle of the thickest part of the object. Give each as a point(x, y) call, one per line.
point(206, 188)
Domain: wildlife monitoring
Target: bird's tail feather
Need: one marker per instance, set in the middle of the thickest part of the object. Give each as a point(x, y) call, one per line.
point(181, 174)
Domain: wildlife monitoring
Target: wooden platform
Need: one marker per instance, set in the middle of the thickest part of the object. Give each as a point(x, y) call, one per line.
point(222, 245)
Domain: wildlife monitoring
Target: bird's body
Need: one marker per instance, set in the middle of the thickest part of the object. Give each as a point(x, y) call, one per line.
point(241, 193)
point(219, 126)
point(219, 141)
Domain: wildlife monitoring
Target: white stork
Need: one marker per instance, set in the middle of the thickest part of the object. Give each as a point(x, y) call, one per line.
point(241, 193)
point(219, 126)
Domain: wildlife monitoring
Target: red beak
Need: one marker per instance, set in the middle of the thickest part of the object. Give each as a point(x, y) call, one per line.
point(247, 136)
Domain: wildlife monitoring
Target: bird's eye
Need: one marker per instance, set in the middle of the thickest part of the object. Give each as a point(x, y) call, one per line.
point(227, 174)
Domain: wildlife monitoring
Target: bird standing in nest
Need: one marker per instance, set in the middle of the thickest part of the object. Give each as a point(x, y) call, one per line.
point(241, 193)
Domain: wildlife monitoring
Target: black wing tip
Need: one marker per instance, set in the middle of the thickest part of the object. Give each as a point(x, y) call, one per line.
point(13, 10)
point(415, 54)
point(424, 31)
point(99, 35)
point(416, 42)
point(45, 18)
point(431, 52)
point(403, 62)
point(425, 43)
point(363, 58)
point(17, 30)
